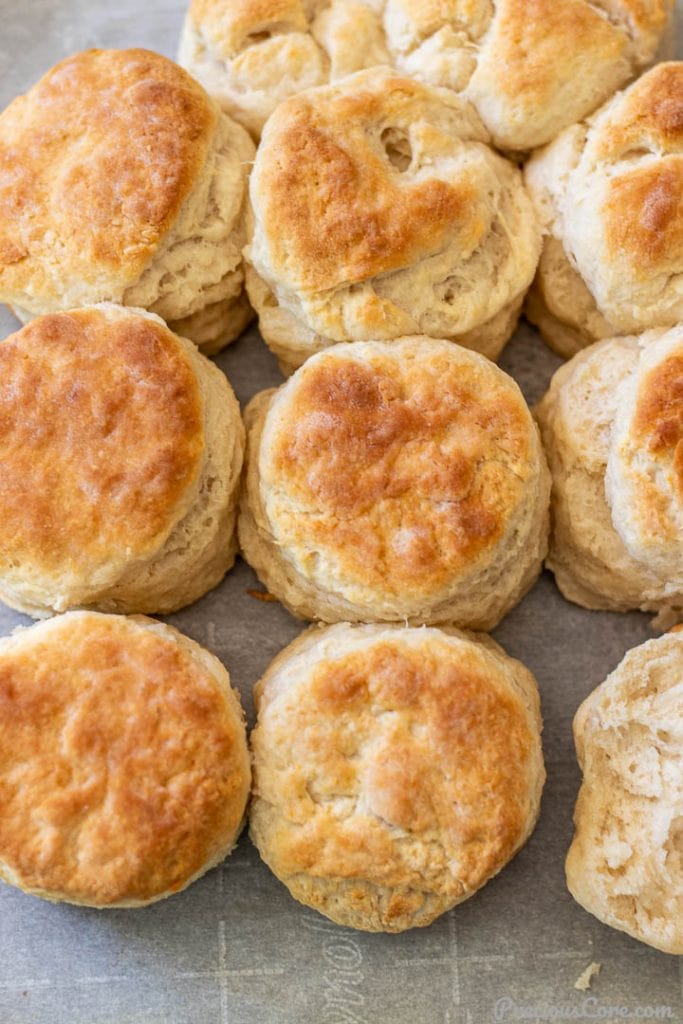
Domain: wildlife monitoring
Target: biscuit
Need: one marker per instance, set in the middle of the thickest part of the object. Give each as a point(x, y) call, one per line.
point(612, 425)
point(396, 770)
point(624, 865)
point(121, 181)
point(124, 769)
point(120, 455)
point(609, 192)
point(395, 481)
point(378, 210)
point(530, 69)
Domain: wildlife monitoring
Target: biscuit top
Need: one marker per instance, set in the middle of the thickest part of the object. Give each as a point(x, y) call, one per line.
point(645, 465)
point(530, 68)
point(543, 65)
point(359, 180)
point(123, 761)
point(96, 161)
point(401, 465)
point(409, 758)
point(652, 110)
point(612, 192)
point(101, 444)
point(379, 211)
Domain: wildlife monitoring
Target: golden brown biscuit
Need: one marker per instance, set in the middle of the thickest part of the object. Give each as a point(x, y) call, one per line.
point(612, 425)
point(609, 192)
point(120, 455)
point(379, 211)
point(529, 68)
point(395, 481)
point(624, 864)
point(396, 770)
point(124, 769)
point(120, 180)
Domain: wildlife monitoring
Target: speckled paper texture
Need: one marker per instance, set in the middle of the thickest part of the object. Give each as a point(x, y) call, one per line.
point(235, 948)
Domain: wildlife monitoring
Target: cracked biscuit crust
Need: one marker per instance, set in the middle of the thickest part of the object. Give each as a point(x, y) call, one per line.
point(625, 864)
point(124, 770)
point(394, 481)
point(396, 770)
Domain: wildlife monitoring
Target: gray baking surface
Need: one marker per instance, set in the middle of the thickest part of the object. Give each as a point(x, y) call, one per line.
point(235, 948)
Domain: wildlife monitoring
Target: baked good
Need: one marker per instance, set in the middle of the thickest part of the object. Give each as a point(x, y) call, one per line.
point(609, 192)
point(121, 181)
point(612, 425)
point(395, 481)
point(379, 210)
point(251, 54)
point(624, 865)
point(120, 455)
point(124, 769)
point(396, 770)
point(530, 69)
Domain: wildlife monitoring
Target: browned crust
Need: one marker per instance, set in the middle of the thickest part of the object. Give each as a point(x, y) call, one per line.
point(332, 210)
point(653, 110)
point(393, 780)
point(123, 762)
point(658, 420)
point(96, 161)
point(406, 473)
point(529, 50)
point(101, 441)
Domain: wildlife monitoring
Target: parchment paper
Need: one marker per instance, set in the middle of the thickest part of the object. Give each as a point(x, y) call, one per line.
point(235, 948)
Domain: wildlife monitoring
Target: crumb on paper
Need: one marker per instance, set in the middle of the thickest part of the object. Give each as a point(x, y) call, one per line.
point(261, 595)
point(583, 982)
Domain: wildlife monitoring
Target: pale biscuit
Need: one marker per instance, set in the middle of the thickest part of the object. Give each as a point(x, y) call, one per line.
point(120, 455)
point(379, 210)
point(393, 481)
point(609, 192)
point(396, 770)
point(625, 863)
point(124, 769)
point(612, 425)
point(120, 180)
point(530, 69)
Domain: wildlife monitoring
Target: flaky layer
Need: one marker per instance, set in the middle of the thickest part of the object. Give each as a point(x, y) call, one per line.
point(625, 863)
point(124, 770)
point(196, 280)
point(395, 770)
point(392, 481)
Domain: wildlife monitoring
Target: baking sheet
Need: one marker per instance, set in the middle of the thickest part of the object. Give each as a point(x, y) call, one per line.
point(235, 948)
